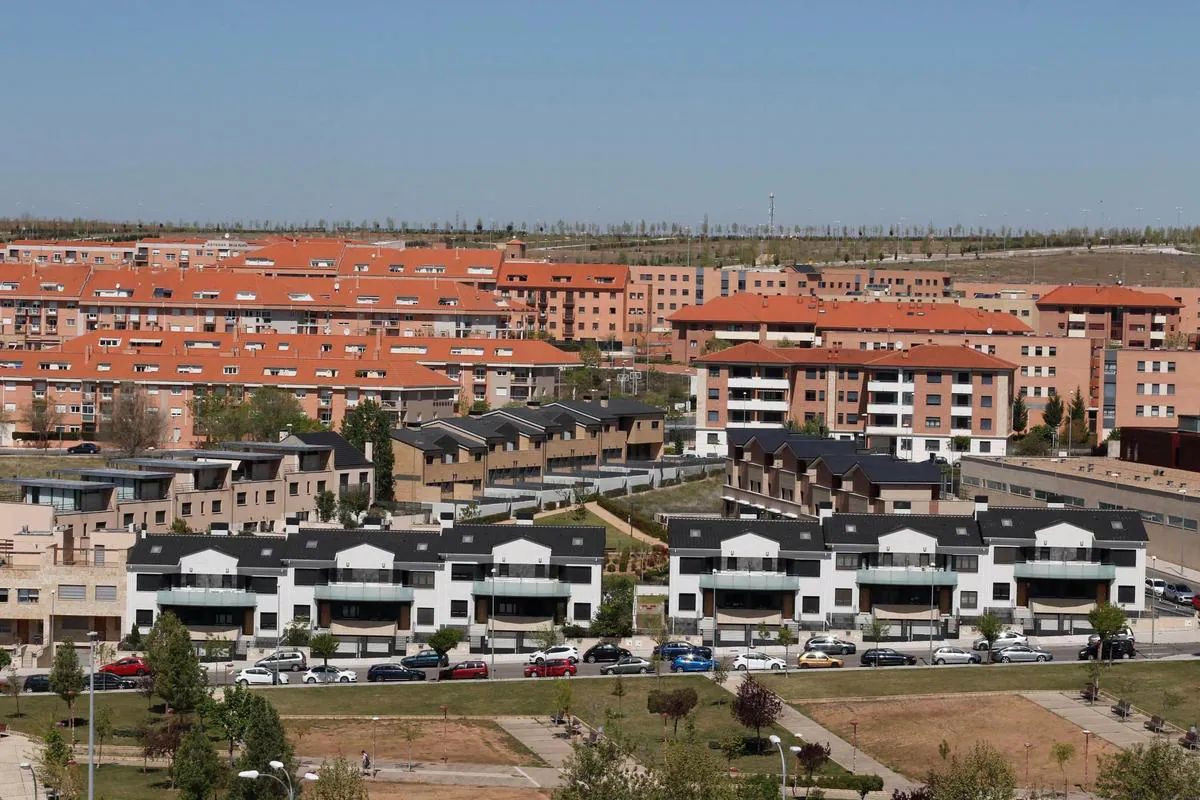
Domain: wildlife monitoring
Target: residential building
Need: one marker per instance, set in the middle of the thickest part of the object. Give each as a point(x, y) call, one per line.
point(1149, 389)
point(185, 252)
point(872, 281)
point(89, 253)
point(574, 302)
point(1176, 449)
point(39, 305)
point(377, 591)
point(1110, 314)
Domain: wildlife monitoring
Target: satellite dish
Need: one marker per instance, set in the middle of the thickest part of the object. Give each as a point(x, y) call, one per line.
point(989, 330)
point(899, 345)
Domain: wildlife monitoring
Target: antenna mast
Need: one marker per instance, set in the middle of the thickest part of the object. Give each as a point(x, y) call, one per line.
point(771, 215)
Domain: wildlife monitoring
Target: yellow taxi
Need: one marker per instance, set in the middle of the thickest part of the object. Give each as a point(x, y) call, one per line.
point(815, 659)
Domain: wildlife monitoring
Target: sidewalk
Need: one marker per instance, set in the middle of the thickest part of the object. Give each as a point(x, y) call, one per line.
point(1095, 717)
point(15, 783)
point(623, 525)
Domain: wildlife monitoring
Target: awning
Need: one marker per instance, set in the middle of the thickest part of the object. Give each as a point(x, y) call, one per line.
point(521, 623)
point(1061, 605)
point(915, 613)
point(748, 616)
point(362, 628)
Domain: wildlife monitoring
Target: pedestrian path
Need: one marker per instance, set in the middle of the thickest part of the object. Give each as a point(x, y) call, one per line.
point(438, 773)
point(16, 783)
point(622, 525)
point(1095, 717)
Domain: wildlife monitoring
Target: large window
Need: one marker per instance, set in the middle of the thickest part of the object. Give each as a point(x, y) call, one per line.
point(1001, 591)
point(458, 608)
point(847, 561)
point(969, 599)
point(810, 605)
point(582, 612)
point(843, 597)
point(1126, 594)
point(268, 620)
point(144, 617)
point(687, 602)
point(424, 616)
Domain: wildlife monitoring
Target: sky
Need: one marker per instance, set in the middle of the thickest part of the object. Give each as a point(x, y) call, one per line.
point(864, 113)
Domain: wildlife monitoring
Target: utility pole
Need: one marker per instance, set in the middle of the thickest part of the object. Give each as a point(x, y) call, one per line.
point(771, 215)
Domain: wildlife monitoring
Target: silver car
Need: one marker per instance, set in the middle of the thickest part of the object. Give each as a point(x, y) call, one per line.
point(954, 655)
point(629, 665)
point(1021, 652)
point(1004, 639)
point(1178, 592)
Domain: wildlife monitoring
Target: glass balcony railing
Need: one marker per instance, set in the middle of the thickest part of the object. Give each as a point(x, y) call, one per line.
point(1065, 570)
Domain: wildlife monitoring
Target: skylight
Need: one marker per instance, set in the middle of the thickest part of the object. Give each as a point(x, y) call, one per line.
point(311, 544)
point(266, 551)
point(1006, 523)
point(577, 541)
point(961, 531)
point(422, 545)
point(851, 529)
point(156, 548)
point(694, 533)
point(468, 538)
point(1118, 525)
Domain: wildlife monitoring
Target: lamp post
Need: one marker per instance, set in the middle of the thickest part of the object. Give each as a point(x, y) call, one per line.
point(492, 625)
point(374, 725)
point(775, 740)
point(1153, 605)
point(854, 752)
point(285, 782)
point(91, 784)
point(1087, 739)
point(1028, 747)
point(25, 765)
point(931, 612)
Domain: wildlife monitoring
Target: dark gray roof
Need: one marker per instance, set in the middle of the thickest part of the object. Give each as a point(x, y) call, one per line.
point(57, 483)
point(865, 529)
point(277, 447)
point(489, 428)
point(537, 419)
point(263, 552)
point(345, 455)
point(802, 445)
point(118, 474)
point(229, 455)
point(1118, 525)
point(323, 544)
point(171, 463)
point(793, 534)
point(434, 439)
point(609, 410)
point(559, 538)
point(888, 469)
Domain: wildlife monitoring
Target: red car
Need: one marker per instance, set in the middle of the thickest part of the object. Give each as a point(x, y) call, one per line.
point(464, 670)
point(554, 668)
point(133, 666)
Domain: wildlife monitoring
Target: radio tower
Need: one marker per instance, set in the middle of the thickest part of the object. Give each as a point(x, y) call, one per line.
point(771, 215)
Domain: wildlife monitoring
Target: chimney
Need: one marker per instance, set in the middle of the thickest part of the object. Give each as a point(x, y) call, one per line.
point(525, 516)
point(369, 451)
point(824, 510)
point(291, 525)
point(604, 401)
point(981, 504)
point(372, 523)
point(446, 520)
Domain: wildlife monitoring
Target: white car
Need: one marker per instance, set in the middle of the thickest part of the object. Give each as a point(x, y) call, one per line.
point(260, 676)
point(1156, 585)
point(330, 675)
point(567, 651)
point(1005, 639)
point(752, 661)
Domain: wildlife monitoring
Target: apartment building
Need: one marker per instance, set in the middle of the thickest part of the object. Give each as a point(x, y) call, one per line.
point(872, 281)
point(39, 305)
point(1040, 570)
point(1177, 448)
point(458, 457)
point(1111, 314)
point(666, 289)
point(244, 486)
point(575, 302)
point(185, 252)
point(89, 253)
point(919, 403)
point(376, 591)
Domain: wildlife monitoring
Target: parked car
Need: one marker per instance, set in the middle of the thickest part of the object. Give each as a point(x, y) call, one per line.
point(628, 665)
point(1124, 633)
point(885, 657)
point(954, 655)
point(260, 676)
point(703, 652)
point(464, 670)
point(425, 659)
point(1156, 585)
point(551, 668)
point(692, 662)
point(605, 651)
point(815, 659)
point(1021, 652)
point(37, 683)
point(325, 674)
point(1113, 648)
point(104, 681)
point(671, 650)
point(1179, 593)
point(756, 661)
point(1196, 602)
point(133, 666)
point(393, 672)
point(284, 661)
point(567, 651)
point(1005, 639)
point(84, 449)
point(831, 645)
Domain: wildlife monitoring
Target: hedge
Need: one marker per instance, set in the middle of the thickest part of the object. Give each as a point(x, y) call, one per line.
point(643, 522)
point(614, 493)
point(488, 520)
point(857, 783)
point(645, 487)
point(549, 506)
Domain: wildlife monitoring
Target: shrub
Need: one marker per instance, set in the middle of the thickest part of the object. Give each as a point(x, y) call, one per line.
point(614, 493)
point(574, 631)
point(872, 783)
point(645, 487)
point(550, 505)
point(491, 519)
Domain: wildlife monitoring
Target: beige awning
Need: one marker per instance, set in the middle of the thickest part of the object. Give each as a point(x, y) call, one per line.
point(748, 616)
point(522, 623)
point(1061, 605)
point(202, 632)
point(362, 628)
point(915, 613)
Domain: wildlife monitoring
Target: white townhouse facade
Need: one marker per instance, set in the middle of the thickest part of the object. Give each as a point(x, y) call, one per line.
point(376, 591)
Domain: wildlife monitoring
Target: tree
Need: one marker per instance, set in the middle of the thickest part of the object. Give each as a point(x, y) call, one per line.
point(675, 705)
point(1020, 414)
point(196, 769)
point(136, 423)
point(180, 527)
point(409, 732)
point(614, 616)
point(1106, 620)
point(354, 501)
point(982, 774)
point(370, 422)
point(755, 706)
point(14, 685)
point(562, 698)
point(469, 512)
point(322, 646)
point(733, 746)
point(42, 418)
point(1157, 771)
point(1076, 430)
point(989, 627)
point(875, 631)
point(265, 741)
point(219, 416)
point(162, 740)
point(812, 756)
point(66, 677)
point(273, 412)
point(178, 677)
point(338, 779)
point(296, 633)
point(444, 640)
point(55, 768)
point(326, 505)
point(589, 355)
point(103, 727)
point(227, 716)
point(545, 637)
point(1052, 414)
point(602, 770)
point(720, 671)
point(785, 639)
point(618, 691)
point(1063, 752)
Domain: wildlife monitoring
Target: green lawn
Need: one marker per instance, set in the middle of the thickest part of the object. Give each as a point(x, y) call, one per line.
point(695, 497)
point(42, 711)
point(116, 782)
point(1142, 683)
point(613, 538)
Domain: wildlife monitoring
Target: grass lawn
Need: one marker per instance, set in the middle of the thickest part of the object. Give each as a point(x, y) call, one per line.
point(696, 497)
point(41, 466)
point(39, 712)
point(613, 538)
point(117, 782)
point(1142, 683)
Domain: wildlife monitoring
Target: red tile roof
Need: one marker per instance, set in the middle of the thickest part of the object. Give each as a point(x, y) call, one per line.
point(543, 275)
point(940, 356)
point(28, 280)
point(1106, 297)
point(922, 356)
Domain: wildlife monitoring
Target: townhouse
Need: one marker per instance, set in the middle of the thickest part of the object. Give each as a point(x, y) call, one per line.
point(928, 401)
point(243, 487)
point(459, 457)
point(185, 252)
point(376, 591)
point(1041, 570)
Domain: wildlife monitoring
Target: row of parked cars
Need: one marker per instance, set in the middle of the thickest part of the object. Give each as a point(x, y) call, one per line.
point(1174, 591)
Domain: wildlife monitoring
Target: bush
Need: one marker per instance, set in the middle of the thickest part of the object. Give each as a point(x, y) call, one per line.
point(643, 522)
point(491, 519)
point(615, 493)
point(549, 506)
point(872, 783)
point(645, 487)
point(574, 631)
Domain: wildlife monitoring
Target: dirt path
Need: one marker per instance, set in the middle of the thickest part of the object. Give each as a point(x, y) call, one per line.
point(622, 525)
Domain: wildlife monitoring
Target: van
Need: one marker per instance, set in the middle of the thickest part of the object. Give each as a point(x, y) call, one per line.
point(284, 661)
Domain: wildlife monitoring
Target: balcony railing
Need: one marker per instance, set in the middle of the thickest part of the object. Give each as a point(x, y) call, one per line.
point(222, 598)
point(365, 592)
point(754, 581)
point(1065, 570)
point(907, 576)
point(521, 587)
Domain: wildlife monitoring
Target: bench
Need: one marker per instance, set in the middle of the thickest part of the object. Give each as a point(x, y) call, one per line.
point(1156, 724)
point(1090, 693)
point(1122, 709)
point(1190, 740)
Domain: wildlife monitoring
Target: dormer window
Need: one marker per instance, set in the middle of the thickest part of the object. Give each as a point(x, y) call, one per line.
point(1006, 523)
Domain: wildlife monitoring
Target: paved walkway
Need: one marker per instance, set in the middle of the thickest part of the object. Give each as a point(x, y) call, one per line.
point(546, 740)
point(622, 525)
point(1096, 717)
point(15, 783)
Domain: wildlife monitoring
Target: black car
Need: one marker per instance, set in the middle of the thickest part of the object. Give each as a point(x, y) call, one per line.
point(84, 449)
point(37, 683)
point(426, 659)
point(393, 672)
point(704, 652)
point(605, 651)
point(885, 657)
point(1113, 648)
point(105, 681)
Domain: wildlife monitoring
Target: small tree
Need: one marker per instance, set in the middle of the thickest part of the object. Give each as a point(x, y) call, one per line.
point(410, 732)
point(733, 746)
point(162, 740)
point(297, 633)
point(675, 705)
point(103, 727)
point(618, 691)
point(66, 678)
point(720, 671)
point(444, 640)
point(42, 418)
point(353, 502)
point(1063, 752)
point(14, 685)
point(1052, 414)
point(196, 768)
point(983, 773)
point(989, 627)
point(55, 768)
point(180, 527)
point(469, 512)
point(785, 639)
point(338, 779)
point(133, 639)
point(562, 698)
point(326, 503)
point(545, 637)
point(227, 716)
point(1157, 771)
point(876, 630)
point(136, 424)
point(755, 706)
point(1106, 620)
point(812, 756)
point(1020, 415)
point(216, 648)
point(322, 646)
point(178, 677)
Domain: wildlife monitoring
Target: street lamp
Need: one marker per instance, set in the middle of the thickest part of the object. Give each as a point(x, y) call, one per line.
point(1087, 739)
point(33, 775)
point(374, 752)
point(92, 636)
point(854, 752)
point(1028, 747)
point(1153, 605)
point(285, 782)
point(492, 625)
point(775, 740)
point(932, 576)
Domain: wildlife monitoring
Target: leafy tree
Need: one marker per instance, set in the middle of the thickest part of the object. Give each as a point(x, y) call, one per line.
point(5, 659)
point(720, 671)
point(562, 698)
point(136, 423)
point(469, 512)
point(296, 633)
point(545, 637)
point(216, 648)
point(196, 768)
point(589, 355)
point(876, 629)
point(618, 691)
point(370, 422)
point(614, 616)
point(42, 418)
point(178, 677)
point(603, 770)
point(272, 411)
point(1052, 414)
point(353, 502)
point(785, 639)
point(326, 505)
point(479, 407)
point(1062, 753)
point(812, 756)
point(180, 526)
point(409, 732)
point(675, 705)
point(445, 640)
point(220, 417)
point(981, 774)
point(338, 779)
point(1106, 620)
point(755, 706)
point(322, 646)
point(1020, 414)
point(733, 746)
point(66, 677)
point(989, 627)
point(1157, 771)
point(162, 740)
point(55, 768)
point(227, 716)
point(265, 741)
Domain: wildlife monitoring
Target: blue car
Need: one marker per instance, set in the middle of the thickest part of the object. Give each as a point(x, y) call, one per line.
point(692, 662)
point(672, 650)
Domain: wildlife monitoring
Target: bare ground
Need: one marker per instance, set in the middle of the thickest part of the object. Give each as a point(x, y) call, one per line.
point(457, 741)
point(429, 791)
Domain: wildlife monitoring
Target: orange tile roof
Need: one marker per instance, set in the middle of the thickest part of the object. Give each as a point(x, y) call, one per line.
point(941, 356)
point(1106, 297)
point(27, 280)
point(928, 355)
point(74, 244)
point(543, 275)
point(459, 263)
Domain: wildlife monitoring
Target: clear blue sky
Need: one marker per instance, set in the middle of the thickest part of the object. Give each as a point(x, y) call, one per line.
point(862, 112)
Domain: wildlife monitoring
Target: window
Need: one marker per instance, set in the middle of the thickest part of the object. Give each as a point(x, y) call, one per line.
point(185, 509)
point(1126, 594)
point(969, 599)
point(933, 399)
point(424, 616)
point(847, 561)
point(458, 608)
point(462, 572)
point(843, 597)
point(712, 416)
point(967, 563)
point(27, 596)
point(933, 377)
point(144, 617)
point(421, 580)
point(932, 423)
point(216, 506)
point(73, 591)
point(714, 394)
point(687, 602)
point(301, 612)
point(106, 594)
point(810, 604)
point(582, 612)
point(3, 595)
point(268, 620)
point(294, 489)
point(1001, 591)
point(241, 498)
point(985, 401)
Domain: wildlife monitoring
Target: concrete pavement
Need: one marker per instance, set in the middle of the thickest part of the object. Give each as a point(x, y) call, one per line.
point(16, 783)
point(1095, 717)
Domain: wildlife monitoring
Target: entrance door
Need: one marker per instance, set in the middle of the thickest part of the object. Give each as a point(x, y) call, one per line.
point(864, 599)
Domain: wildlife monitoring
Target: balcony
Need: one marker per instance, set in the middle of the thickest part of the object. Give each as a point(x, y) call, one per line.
point(521, 587)
point(195, 596)
point(740, 336)
point(754, 581)
point(907, 576)
point(757, 405)
point(890, 386)
point(889, 409)
point(365, 592)
point(780, 384)
point(961, 388)
point(1064, 570)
